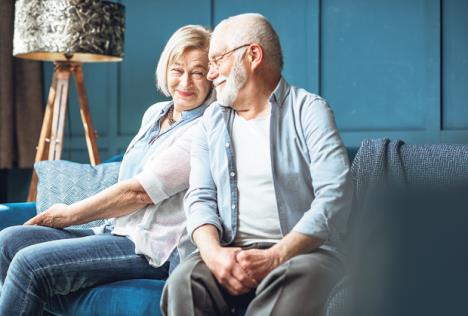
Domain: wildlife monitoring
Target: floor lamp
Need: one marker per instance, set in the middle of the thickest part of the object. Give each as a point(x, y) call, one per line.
point(68, 33)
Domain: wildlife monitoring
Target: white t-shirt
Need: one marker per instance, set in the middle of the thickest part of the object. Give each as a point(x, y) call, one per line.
point(258, 213)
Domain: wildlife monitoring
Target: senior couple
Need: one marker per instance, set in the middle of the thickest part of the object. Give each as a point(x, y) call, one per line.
point(266, 204)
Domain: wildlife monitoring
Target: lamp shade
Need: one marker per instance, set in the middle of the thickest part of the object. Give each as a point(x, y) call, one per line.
point(69, 30)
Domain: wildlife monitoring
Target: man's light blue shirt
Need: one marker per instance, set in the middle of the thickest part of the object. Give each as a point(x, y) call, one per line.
point(310, 167)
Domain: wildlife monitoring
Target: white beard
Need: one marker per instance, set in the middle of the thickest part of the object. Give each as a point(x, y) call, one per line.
point(233, 83)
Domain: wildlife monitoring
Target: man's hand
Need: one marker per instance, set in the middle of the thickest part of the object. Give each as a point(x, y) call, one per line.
point(57, 216)
point(222, 263)
point(257, 263)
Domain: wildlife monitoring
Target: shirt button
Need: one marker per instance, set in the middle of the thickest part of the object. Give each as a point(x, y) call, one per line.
point(227, 144)
point(233, 174)
point(233, 206)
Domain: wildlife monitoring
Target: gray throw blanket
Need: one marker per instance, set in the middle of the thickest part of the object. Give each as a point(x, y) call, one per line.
point(410, 228)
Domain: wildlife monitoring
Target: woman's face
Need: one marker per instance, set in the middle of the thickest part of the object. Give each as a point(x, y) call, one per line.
point(187, 79)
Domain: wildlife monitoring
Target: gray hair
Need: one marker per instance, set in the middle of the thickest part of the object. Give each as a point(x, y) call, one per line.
point(252, 28)
point(187, 37)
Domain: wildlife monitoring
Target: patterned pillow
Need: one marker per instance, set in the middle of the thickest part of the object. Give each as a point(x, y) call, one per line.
point(67, 182)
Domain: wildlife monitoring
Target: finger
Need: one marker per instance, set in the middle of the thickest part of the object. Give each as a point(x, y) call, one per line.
point(32, 221)
point(243, 277)
point(235, 287)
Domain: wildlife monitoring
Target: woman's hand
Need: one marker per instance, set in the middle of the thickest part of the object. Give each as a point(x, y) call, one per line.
point(57, 216)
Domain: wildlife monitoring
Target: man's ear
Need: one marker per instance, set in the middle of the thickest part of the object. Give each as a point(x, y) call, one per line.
point(255, 55)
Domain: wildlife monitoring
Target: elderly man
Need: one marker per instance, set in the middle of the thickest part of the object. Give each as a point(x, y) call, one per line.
point(270, 187)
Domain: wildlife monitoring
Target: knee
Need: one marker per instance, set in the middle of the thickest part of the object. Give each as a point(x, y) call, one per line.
point(22, 262)
point(23, 267)
point(318, 267)
point(9, 243)
point(186, 276)
point(180, 276)
point(309, 270)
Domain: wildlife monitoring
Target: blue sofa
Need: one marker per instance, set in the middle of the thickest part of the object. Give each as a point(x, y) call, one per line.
point(130, 297)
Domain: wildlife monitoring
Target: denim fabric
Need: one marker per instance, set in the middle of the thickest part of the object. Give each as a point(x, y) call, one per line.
point(309, 163)
point(38, 264)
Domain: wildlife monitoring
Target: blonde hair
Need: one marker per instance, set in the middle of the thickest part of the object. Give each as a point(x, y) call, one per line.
point(187, 37)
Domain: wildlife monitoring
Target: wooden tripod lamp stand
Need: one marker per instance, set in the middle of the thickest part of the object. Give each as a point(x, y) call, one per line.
point(69, 33)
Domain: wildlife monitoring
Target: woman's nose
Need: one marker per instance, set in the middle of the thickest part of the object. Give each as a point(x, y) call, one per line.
point(185, 79)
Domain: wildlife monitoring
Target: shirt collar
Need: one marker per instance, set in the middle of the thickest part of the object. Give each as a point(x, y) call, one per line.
point(280, 92)
point(186, 115)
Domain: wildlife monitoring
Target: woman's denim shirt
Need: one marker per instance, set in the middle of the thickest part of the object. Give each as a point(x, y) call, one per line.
point(310, 166)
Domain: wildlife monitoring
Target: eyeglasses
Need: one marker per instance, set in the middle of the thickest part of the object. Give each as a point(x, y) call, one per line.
point(216, 61)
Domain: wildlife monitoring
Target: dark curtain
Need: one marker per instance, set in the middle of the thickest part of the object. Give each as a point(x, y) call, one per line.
point(21, 100)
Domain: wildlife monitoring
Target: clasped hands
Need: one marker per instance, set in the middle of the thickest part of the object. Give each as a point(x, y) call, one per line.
point(240, 271)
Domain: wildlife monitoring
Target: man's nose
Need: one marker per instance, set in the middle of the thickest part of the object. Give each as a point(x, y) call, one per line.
point(212, 73)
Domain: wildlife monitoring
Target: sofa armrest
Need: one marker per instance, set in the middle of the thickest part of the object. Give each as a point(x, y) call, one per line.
point(339, 300)
point(16, 213)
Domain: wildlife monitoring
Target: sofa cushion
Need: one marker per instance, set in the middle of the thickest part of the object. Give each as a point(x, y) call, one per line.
point(68, 182)
point(16, 213)
point(137, 297)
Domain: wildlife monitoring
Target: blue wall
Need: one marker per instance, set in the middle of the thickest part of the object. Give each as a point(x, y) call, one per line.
point(393, 68)
point(389, 68)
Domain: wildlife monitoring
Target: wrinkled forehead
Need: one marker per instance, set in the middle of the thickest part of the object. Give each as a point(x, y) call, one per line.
point(219, 41)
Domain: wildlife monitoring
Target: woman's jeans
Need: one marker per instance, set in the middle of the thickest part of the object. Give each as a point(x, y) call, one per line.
point(38, 264)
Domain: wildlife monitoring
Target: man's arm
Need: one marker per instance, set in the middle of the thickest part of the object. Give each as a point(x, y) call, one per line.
point(330, 173)
point(203, 222)
point(201, 205)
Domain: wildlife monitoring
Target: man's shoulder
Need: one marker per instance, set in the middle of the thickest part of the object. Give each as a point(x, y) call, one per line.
point(311, 107)
point(213, 113)
point(302, 96)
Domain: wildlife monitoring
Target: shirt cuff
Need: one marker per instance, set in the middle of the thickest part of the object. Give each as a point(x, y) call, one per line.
point(313, 224)
point(152, 186)
point(202, 217)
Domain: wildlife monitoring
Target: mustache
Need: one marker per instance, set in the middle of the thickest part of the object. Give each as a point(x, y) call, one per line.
point(218, 80)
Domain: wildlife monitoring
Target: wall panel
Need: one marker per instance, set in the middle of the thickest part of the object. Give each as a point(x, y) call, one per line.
point(389, 68)
point(455, 65)
point(149, 24)
point(380, 63)
point(295, 23)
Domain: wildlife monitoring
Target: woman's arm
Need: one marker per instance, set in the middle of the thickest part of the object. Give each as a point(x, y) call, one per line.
point(119, 199)
point(160, 179)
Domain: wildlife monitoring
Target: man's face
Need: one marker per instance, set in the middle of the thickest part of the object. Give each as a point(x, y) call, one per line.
point(227, 72)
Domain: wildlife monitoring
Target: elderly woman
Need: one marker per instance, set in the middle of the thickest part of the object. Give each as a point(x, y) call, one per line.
point(39, 259)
